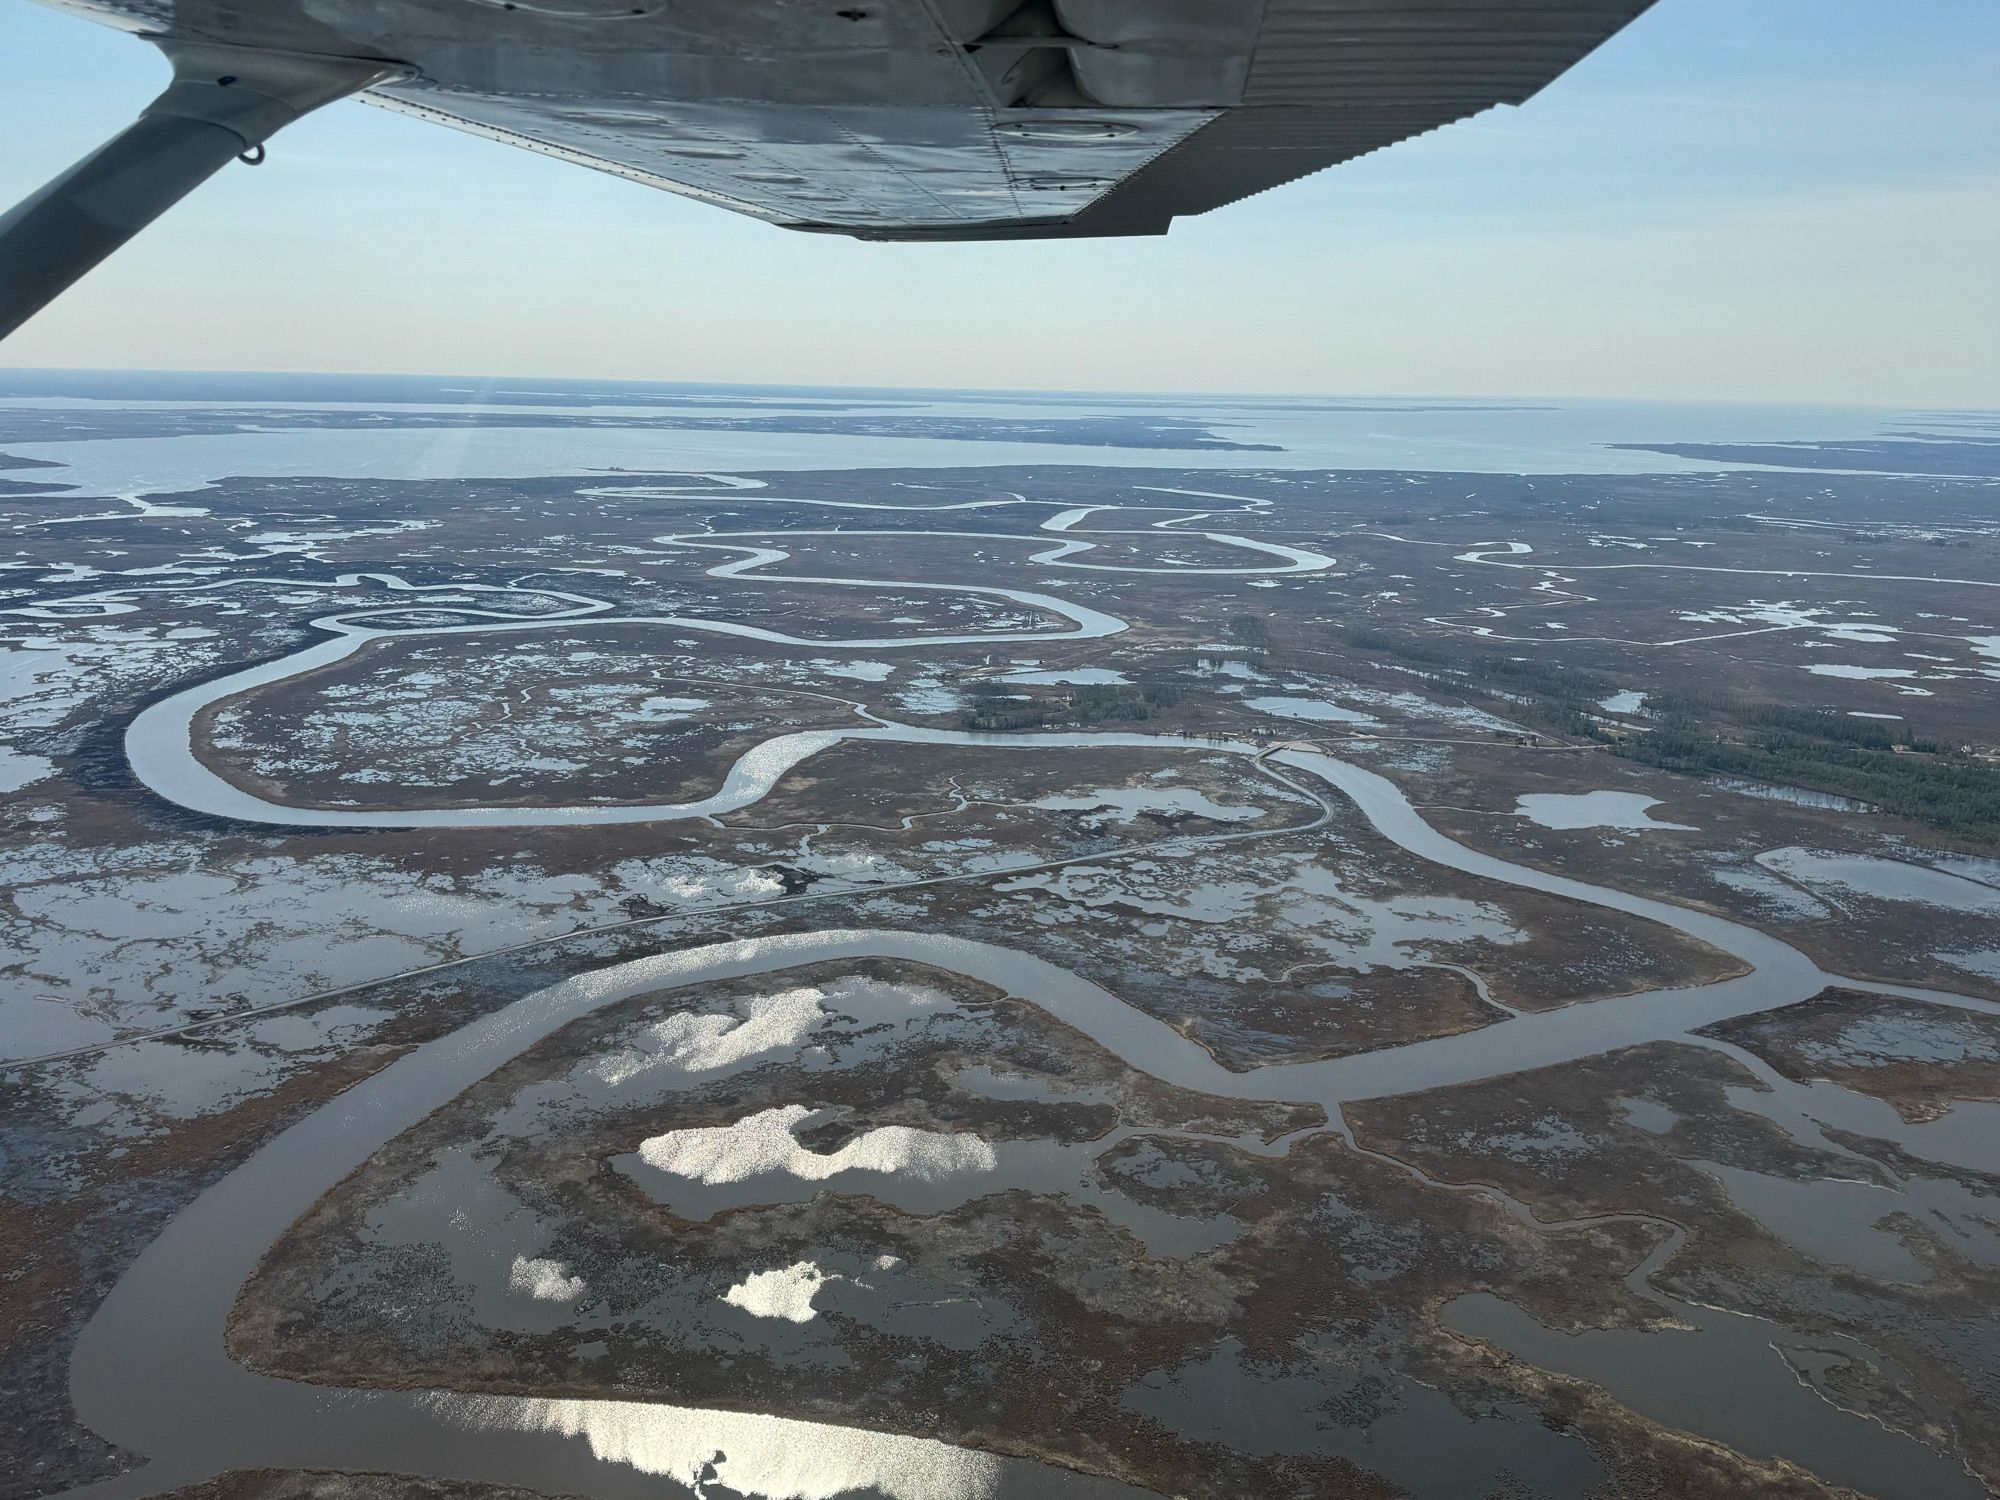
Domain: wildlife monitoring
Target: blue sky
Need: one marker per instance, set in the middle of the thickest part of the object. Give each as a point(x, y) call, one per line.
point(1788, 200)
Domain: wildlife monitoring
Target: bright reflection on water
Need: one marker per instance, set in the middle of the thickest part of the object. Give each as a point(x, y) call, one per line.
point(769, 1457)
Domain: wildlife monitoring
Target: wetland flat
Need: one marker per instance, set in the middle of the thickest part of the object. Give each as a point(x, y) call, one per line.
point(839, 946)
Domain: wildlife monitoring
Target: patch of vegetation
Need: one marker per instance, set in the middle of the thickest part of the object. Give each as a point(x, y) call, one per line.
point(1892, 767)
point(995, 708)
point(1544, 695)
point(1251, 632)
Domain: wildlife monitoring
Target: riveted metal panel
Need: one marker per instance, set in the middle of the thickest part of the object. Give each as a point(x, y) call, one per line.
point(934, 118)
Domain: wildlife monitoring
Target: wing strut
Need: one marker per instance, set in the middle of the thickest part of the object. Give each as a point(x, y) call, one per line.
point(224, 103)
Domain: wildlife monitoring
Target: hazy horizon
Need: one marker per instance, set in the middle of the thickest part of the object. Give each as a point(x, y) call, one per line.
point(1491, 400)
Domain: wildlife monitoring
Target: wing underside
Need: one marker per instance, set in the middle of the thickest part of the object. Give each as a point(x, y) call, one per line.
point(934, 119)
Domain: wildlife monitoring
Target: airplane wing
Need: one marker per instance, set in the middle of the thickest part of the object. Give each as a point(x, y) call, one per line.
point(882, 119)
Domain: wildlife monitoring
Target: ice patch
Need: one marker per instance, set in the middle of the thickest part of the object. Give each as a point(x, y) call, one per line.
point(544, 1280)
point(689, 1043)
point(763, 1144)
point(786, 1294)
